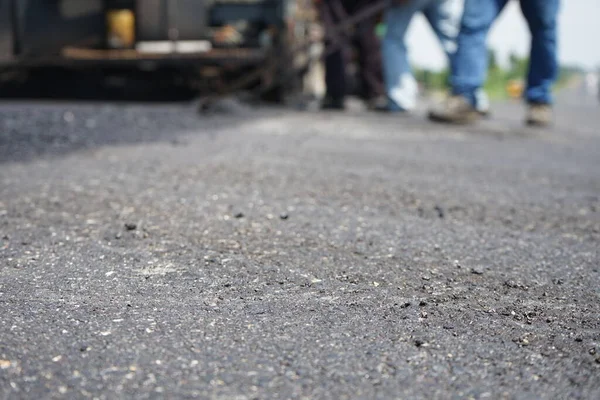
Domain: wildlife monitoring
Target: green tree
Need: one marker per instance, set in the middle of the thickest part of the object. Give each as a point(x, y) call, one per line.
point(492, 60)
point(518, 67)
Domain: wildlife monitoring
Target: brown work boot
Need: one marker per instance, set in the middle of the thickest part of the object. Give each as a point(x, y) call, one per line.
point(455, 110)
point(539, 115)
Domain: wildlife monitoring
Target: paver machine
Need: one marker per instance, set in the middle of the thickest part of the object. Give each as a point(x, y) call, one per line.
point(222, 44)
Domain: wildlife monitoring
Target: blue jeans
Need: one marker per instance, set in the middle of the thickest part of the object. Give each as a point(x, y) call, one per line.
point(443, 16)
point(470, 63)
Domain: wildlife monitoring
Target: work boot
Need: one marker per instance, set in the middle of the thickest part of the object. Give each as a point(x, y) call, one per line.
point(539, 115)
point(485, 113)
point(455, 110)
point(482, 103)
point(333, 103)
point(378, 103)
point(388, 107)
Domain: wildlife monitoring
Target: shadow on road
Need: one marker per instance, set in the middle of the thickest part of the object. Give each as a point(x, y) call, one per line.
point(56, 112)
point(58, 84)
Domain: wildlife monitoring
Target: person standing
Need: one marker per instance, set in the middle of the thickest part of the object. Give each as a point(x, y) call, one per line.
point(470, 63)
point(369, 55)
point(444, 18)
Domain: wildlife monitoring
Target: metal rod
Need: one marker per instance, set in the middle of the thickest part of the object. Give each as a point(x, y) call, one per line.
point(273, 59)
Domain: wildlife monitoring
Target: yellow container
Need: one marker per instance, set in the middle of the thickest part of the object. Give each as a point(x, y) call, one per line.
point(120, 28)
point(515, 88)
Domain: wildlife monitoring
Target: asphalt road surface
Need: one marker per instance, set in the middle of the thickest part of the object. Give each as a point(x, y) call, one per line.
point(147, 252)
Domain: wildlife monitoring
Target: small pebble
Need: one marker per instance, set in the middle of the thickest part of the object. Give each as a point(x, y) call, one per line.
point(69, 117)
point(130, 226)
point(239, 215)
point(477, 270)
point(284, 216)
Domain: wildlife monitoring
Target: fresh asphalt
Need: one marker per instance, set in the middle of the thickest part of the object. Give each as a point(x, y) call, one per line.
point(148, 252)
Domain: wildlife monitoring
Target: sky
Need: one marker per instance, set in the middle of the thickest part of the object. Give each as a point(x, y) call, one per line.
point(579, 34)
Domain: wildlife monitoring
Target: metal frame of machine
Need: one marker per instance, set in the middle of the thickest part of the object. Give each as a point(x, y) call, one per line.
point(267, 43)
point(39, 32)
point(74, 34)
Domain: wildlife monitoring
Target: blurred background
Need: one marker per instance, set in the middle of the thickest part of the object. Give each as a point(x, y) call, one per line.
point(83, 48)
point(160, 49)
point(509, 49)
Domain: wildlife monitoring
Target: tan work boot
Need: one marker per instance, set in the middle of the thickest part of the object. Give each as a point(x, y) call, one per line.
point(539, 115)
point(455, 110)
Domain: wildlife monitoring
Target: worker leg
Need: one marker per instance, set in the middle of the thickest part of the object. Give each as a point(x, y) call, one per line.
point(541, 15)
point(401, 86)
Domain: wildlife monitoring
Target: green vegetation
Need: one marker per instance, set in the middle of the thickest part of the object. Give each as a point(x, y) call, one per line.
point(498, 78)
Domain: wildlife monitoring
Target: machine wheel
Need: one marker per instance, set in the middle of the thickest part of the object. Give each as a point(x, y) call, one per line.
point(291, 58)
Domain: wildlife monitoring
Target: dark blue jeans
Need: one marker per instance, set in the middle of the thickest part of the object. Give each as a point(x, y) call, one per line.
point(470, 63)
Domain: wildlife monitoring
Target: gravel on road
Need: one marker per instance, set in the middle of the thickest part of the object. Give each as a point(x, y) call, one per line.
point(147, 252)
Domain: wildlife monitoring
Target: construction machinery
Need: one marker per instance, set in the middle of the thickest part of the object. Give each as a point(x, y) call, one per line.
point(211, 46)
point(208, 43)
